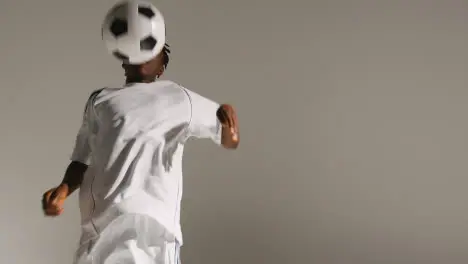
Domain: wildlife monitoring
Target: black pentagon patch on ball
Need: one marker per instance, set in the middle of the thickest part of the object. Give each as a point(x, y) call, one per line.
point(146, 11)
point(118, 27)
point(148, 43)
point(121, 56)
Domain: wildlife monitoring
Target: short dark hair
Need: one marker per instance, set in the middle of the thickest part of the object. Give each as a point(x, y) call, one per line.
point(166, 51)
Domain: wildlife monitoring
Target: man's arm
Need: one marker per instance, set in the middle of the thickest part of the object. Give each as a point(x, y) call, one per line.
point(230, 128)
point(81, 154)
point(212, 120)
point(53, 199)
point(74, 176)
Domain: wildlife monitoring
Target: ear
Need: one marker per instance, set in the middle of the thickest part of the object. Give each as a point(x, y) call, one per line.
point(160, 71)
point(145, 69)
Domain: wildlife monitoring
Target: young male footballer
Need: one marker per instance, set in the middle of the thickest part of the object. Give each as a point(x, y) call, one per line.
point(127, 159)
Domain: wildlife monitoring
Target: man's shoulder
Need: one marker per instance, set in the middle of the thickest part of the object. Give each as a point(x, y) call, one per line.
point(169, 88)
point(175, 86)
point(95, 93)
point(168, 84)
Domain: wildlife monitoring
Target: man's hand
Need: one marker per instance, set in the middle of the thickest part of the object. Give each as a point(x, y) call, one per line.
point(228, 119)
point(53, 200)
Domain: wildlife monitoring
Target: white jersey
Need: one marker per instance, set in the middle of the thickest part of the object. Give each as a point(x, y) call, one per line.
point(132, 138)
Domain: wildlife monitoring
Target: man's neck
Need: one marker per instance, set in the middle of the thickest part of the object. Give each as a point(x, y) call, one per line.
point(139, 80)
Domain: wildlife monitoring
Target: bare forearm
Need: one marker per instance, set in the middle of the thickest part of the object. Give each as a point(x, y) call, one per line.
point(74, 176)
point(229, 138)
point(230, 133)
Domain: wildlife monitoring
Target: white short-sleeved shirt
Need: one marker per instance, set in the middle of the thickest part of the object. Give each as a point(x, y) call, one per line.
point(132, 138)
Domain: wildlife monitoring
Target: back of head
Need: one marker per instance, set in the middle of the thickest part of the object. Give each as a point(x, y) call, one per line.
point(134, 31)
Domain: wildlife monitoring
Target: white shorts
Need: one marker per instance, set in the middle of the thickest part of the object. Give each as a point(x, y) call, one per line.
point(130, 239)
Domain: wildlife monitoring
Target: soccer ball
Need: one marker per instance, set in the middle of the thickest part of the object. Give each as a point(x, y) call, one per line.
point(134, 31)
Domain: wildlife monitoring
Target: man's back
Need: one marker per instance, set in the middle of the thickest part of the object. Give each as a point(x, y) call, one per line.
point(127, 163)
point(136, 136)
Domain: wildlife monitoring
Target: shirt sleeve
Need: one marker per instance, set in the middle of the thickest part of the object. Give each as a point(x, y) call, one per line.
point(203, 122)
point(82, 151)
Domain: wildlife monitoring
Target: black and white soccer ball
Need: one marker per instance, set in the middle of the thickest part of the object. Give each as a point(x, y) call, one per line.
point(134, 31)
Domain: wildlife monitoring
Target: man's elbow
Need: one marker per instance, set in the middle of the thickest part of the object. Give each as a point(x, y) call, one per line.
point(230, 144)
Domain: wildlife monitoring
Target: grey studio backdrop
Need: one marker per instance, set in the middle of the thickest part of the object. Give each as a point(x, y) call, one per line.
point(353, 115)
